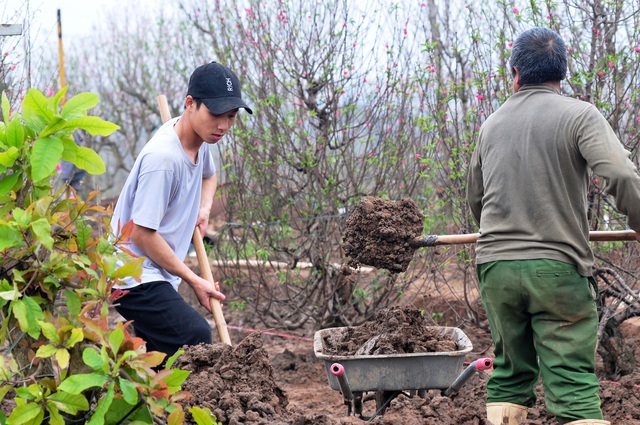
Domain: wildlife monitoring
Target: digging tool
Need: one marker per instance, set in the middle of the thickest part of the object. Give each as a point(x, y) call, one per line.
point(594, 236)
point(385, 234)
point(203, 260)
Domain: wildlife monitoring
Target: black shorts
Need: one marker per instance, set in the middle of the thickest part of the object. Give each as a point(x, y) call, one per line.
point(163, 318)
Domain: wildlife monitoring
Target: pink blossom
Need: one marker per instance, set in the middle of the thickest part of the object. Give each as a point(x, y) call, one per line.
point(636, 49)
point(50, 93)
point(58, 168)
point(13, 67)
point(299, 122)
point(600, 74)
point(638, 119)
point(510, 44)
point(516, 11)
point(480, 97)
point(611, 64)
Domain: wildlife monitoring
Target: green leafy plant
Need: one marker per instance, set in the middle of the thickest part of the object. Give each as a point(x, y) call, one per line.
point(57, 270)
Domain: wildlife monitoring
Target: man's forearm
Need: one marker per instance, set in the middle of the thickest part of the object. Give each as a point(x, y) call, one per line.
point(156, 248)
point(209, 187)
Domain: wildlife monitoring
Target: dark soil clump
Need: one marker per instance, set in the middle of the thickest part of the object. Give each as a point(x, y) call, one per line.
point(392, 331)
point(235, 383)
point(378, 233)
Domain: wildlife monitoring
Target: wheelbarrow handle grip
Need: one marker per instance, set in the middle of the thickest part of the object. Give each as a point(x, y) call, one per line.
point(484, 363)
point(337, 370)
point(480, 364)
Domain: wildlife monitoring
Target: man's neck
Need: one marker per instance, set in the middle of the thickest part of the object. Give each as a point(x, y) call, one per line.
point(189, 140)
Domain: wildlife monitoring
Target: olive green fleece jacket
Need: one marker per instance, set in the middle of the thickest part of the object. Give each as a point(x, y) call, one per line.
point(528, 178)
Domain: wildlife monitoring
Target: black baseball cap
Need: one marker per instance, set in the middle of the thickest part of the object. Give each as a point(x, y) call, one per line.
point(218, 88)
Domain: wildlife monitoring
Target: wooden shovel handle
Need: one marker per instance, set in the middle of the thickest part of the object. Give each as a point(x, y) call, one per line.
point(594, 236)
point(216, 307)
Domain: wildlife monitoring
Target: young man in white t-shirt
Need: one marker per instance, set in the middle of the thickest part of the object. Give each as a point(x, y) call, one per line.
point(167, 194)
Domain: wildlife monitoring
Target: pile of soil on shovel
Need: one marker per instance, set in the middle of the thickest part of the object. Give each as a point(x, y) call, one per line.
point(392, 331)
point(378, 233)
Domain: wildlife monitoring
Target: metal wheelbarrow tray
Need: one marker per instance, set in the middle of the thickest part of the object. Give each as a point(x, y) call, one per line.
point(396, 372)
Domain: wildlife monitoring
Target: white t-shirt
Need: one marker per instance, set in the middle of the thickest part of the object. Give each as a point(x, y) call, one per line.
point(163, 193)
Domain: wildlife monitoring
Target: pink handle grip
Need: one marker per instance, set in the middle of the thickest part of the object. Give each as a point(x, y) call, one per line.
point(337, 369)
point(484, 363)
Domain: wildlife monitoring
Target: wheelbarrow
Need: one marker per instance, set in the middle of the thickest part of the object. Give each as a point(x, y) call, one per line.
point(387, 376)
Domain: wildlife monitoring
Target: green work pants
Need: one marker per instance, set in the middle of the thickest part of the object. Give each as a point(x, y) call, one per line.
point(543, 321)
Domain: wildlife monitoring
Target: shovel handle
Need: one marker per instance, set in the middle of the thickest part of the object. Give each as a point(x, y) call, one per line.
point(216, 307)
point(594, 236)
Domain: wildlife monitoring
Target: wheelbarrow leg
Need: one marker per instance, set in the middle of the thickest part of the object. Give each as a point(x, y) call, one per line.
point(383, 398)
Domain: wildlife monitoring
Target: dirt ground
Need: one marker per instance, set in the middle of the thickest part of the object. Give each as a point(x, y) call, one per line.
point(275, 378)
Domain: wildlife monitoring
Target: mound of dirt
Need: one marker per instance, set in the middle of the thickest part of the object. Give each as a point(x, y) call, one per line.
point(235, 383)
point(392, 331)
point(378, 233)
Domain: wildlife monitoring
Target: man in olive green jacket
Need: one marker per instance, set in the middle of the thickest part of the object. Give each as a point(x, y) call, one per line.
point(527, 188)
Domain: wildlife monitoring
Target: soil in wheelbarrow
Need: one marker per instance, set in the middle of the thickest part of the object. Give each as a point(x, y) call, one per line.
point(267, 379)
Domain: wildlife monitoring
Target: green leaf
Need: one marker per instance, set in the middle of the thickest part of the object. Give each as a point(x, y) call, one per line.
point(95, 126)
point(26, 414)
point(89, 160)
point(171, 360)
point(53, 127)
point(55, 418)
point(8, 182)
point(93, 359)
point(116, 337)
point(8, 157)
point(202, 416)
point(62, 357)
point(46, 351)
point(28, 313)
point(9, 237)
point(42, 230)
point(131, 268)
point(15, 132)
point(21, 217)
point(73, 302)
point(176, 378)
point(103, 407)
point(70, 403)
point(76, 336)
point(45, 155)
point(6, 108)
point(36, 111)
point(70, 151)
point(79, 104)
point(75, 384)
point(50, 332)
point(83, 233)
point(11, 295)
point(129, 392)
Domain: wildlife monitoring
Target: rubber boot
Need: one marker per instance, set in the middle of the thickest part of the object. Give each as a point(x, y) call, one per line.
point(589, 422)
point(506, 413)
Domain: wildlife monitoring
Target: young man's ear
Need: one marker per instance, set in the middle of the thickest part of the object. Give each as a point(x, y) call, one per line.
point(189, 102)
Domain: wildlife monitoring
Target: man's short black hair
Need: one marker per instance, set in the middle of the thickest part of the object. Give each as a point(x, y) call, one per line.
point(540, 56)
